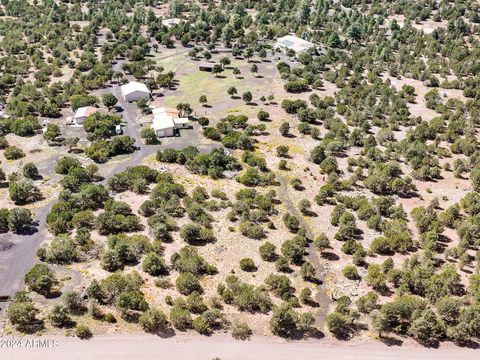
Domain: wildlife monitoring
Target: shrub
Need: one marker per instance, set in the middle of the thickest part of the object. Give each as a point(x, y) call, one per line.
point(83, 332)
point(267, 252)
point(13, 153)
point(244, 296)
point(41, 279)
point(251, 230)
point(283, 321)
point(350, 272)
point(201, 326)
point(153, 320)
point(154, 265)
point(247, 265)
point(241, 330)
point(59, 317)
point(74, 303)
point(22, 313)
point(30, 171)
point(338, 324)
point(187, 283)
point(180, 318)
point(195, 234)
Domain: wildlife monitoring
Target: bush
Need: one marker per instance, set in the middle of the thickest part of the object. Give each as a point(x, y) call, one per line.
point(74, 303)
point(22, 313)
point(30, 171)
point(350, 272)
point(291, 222)
point(283, 321)
point(247, 265)
point(195, 303)
point(180, 318)
point(13, 153)
point(41, 279)
point(338, 324)
point(267, 252)
point(241, 330)
point(24, 192)
point(251, 230)
point(19, 220)
point(59, 317)
point(154, 265)
point(244, 296)
point(367, 302)
point(201, 326)
point(187, 283)
point(153, 320)
point(195, 234)
point(83, 332)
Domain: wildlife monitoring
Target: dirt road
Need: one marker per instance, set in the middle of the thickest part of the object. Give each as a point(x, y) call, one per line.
point(222, 347)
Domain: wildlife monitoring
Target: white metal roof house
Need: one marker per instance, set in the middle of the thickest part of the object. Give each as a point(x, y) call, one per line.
point(290, 42)
point(181, 123)
point(134, 91)
point(166, 120)
point(82, 113)
point(163, 125)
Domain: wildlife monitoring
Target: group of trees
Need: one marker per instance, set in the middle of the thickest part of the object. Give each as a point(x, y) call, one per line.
point(213, 164)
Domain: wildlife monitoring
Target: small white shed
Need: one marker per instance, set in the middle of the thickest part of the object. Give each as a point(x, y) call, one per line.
point(163, 125)
point(82, 113)
point(134, 91)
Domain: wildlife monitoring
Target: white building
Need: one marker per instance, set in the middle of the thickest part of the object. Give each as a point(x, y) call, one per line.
point(166, 120)
point(163, 125)
point(134, 91)
point(82, 113)
point(170, 22)
point(290, 42)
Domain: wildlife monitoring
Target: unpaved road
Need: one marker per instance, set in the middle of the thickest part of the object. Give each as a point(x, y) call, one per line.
point(223, 347)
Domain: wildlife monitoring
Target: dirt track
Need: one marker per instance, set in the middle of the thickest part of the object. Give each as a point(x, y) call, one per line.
point(225, 348)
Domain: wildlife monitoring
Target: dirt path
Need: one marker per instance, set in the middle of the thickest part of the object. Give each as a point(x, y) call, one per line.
point(321, 296)
point(222, 347)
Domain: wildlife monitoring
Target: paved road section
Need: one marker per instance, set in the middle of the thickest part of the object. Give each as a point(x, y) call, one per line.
point(221, 346)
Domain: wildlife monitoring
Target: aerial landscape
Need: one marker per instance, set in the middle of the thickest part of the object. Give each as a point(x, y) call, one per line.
point(226, 179)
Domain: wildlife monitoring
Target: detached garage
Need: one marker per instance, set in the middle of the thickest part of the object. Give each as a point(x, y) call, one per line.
point(134, 91)
point(163, 125)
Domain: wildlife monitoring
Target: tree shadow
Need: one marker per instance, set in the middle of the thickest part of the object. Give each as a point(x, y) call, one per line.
point(390, 341)
point(165, 333)
point(330, 256)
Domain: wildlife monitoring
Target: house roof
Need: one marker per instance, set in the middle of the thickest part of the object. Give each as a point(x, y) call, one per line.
point(295, 43)
point(162, 122)
point(134, 86)
point(205, 64)
point(164, 110)
point(181, 121)
point(85, 111)
point(171, 22)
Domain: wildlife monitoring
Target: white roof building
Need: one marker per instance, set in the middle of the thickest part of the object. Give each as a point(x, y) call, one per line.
point(82, 113)
point(163, 125)
point(290, 42)
point(133, 91)
point(165, 120)
point(170, 22)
